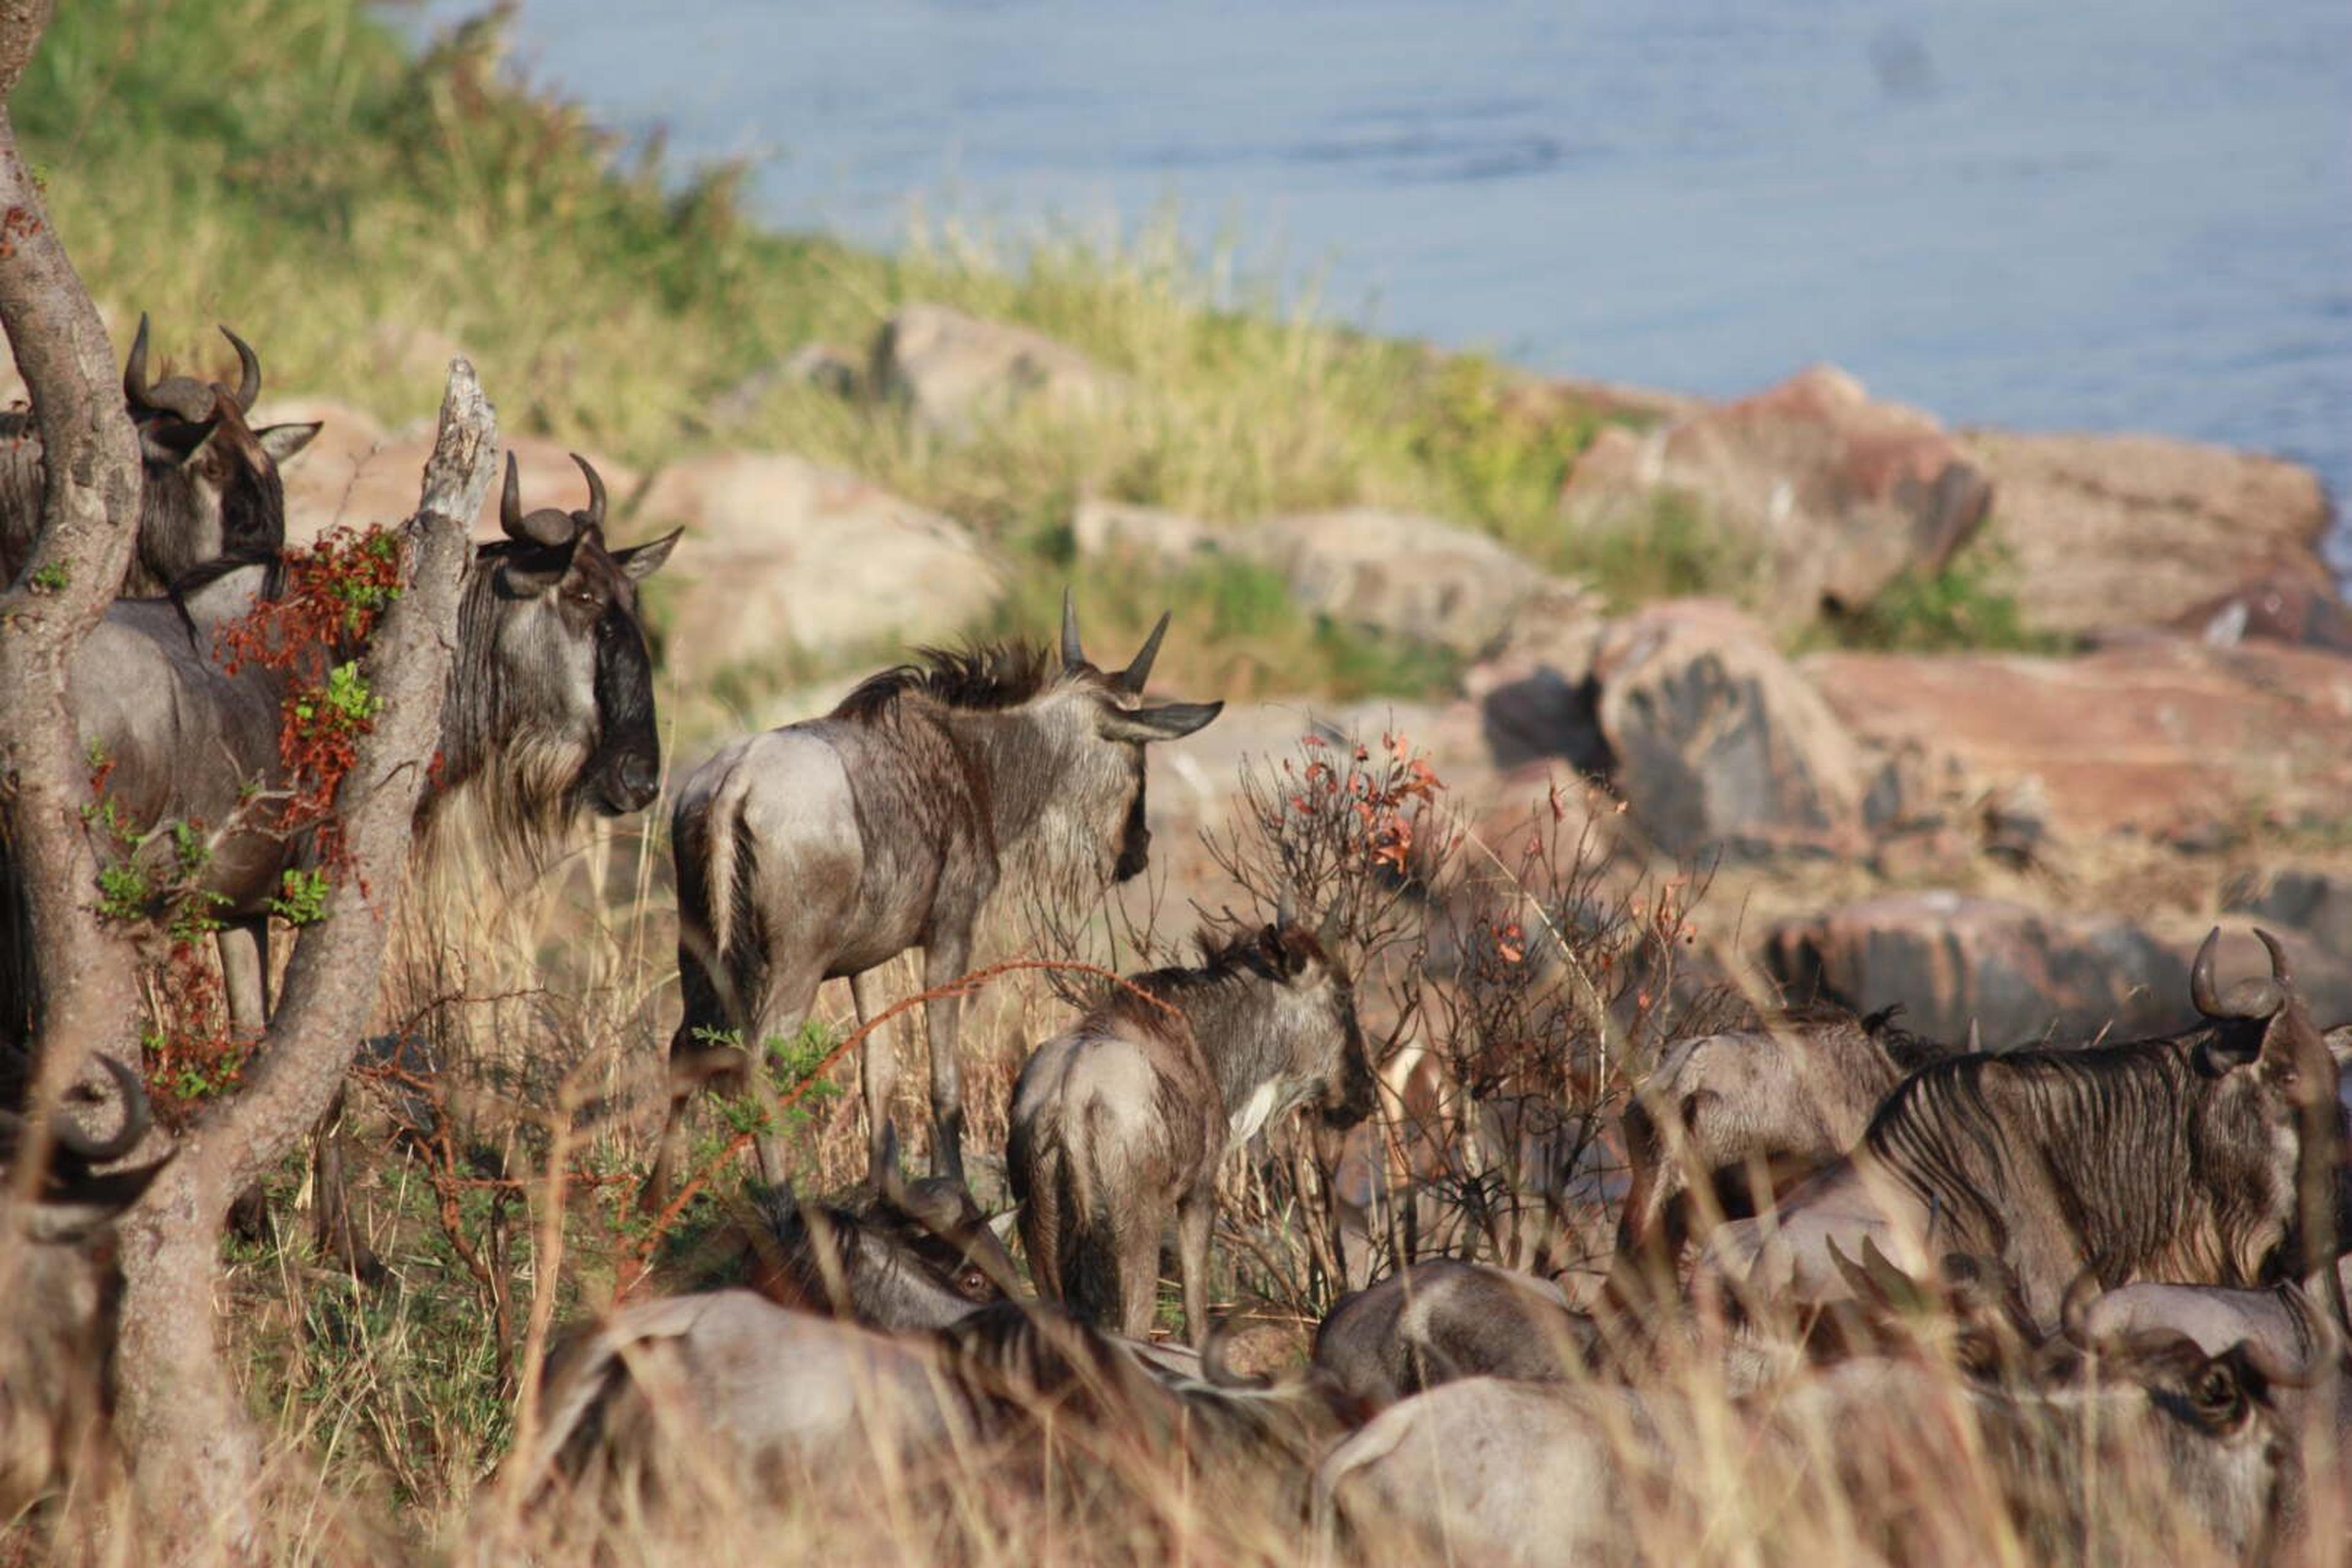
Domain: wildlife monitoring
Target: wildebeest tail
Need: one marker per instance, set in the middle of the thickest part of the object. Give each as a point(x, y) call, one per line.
point(1090, 1262)
point(717, 919)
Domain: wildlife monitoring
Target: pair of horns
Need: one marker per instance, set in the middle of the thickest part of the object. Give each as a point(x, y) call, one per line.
point(1131, 678)
point(547, 526)
point(2249, 998)
point(67, 1134)
point(185, 397)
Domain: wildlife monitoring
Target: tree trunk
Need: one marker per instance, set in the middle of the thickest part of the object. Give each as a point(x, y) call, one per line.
point(87, 995)
point(194, 1458)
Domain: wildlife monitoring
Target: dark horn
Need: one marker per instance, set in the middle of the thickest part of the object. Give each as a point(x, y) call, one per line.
point(510, 504)
point(249, 380)
point(1073, 656)
point(2201, 995)
point(69, 1135)
point(2279, 971)
point(595, 491)
point(1138, 669)
point(134, 370)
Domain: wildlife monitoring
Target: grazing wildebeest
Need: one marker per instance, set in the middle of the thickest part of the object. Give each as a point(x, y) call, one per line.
point(209, 485)
point(2188, 1157)
point(1900, 1461)
point(1439, 1321)
point(1777, 1102)
point(1121, 1121)
point(822, 849)
point(732, 1395)
point(915, 1255)
point(54, 1348)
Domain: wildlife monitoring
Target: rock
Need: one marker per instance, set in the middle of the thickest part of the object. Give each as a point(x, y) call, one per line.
point(2160, 737)
point(2135, 530)
point(1840, 494)
point(355, 473)
point(1534, 690)
point(2317, 903)
point(2021, 973)
point(827, 367)
point(1715, 740)
point(1147, 535)
point(951, 370)
point(1399, 573)
point(782, 552)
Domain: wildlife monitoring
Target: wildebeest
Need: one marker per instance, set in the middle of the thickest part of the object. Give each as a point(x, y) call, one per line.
point(915, 1255)
point(209, 485)
point(732, 1396)
point(54, 1349)
point(2188, 1157)
point(1889, 1460)
point(1752, 1109)
point(1439, 1321)
point(821, 849)
point(550, 712)
point(1121, 1121)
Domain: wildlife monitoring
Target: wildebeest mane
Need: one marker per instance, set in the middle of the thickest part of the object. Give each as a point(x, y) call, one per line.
point(1226, 962)
point(978, 678)
point(2112, 1125)
point(205, 574)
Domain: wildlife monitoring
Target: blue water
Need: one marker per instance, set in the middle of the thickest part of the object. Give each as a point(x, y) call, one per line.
point(2088, 215)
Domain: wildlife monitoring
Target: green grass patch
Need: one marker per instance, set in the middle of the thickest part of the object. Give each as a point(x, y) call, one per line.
point(1965, 606)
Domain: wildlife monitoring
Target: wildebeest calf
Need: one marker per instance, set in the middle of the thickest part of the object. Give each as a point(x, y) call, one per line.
point(1121, 1121)
point(1439, 1321)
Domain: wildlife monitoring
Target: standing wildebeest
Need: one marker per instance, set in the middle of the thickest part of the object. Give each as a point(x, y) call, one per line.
point(1746, 1113)
point(822, 849)
point(2208, 1157)
point(209, 484)
point(1121, 1121)
point(550, 712)
point(54, 1349)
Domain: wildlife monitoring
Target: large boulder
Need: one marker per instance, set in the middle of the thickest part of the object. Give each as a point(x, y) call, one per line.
point(951, 370)
point(2137, 530)
point(2018, 973)
point(783, 553)
point(1841, 495)
point(2165, 737)
point(1715, 741)
point(1400, 574)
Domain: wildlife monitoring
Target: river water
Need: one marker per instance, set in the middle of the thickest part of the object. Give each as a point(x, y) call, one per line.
point(2089, 215)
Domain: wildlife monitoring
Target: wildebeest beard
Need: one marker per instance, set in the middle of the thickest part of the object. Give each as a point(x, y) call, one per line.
point(1134, 839)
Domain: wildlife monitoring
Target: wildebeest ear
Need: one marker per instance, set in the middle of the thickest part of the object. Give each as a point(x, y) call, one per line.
point(282, 441)
point(1167, 721)
point(640, 562)
point(535, 572)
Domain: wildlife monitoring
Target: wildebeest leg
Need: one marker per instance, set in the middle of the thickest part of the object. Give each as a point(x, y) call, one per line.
point(331, 1230)
point(1135, 1242)
point(1194, 1211)
point(943, 964)
point(877, 1079)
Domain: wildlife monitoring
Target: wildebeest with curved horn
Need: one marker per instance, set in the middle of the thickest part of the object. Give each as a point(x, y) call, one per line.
point(54, 1349)
point(209, 485)
point(822, 849)
point(2211, 1156)
point(550, 713)
point(1121, 1121)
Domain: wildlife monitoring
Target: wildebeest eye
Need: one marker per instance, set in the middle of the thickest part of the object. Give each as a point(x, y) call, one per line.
point(2217, 1395)
point(970, 1282)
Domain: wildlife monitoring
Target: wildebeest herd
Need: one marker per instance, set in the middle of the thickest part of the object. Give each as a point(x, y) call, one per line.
point(2104, 1265)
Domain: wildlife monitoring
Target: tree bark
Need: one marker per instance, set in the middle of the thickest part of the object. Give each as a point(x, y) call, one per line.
point(194, 1458)
point(87, 998)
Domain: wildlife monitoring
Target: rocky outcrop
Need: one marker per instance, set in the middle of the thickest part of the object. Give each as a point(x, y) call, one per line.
point(1396, 574)
point(783, 553)
point(952, 370)
point(2163, 736)
point(1840, 495)
point(2021, 974)
point(2137, 530)
point(1715, 740)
